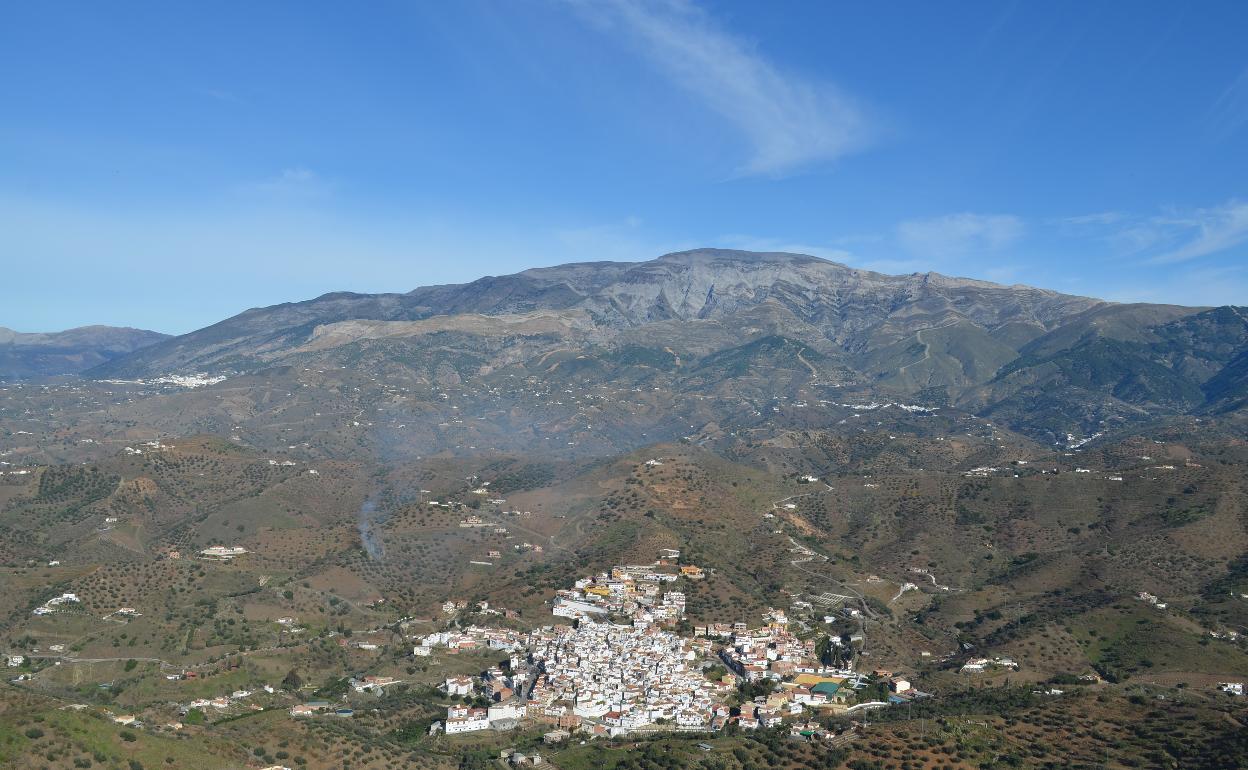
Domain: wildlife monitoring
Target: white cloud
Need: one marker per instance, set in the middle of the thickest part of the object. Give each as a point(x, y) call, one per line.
point(1206, 231)
point(1176, 235)
point(1212, 286)
point(956, 234)
point(1098, 218)
point(791, 122)
point(297, 183)
point(1229, 113)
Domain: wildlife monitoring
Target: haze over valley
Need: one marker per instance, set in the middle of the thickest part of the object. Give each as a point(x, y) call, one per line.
point(624, 385)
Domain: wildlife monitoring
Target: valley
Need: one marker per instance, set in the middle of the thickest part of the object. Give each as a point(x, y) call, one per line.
point(843, 519)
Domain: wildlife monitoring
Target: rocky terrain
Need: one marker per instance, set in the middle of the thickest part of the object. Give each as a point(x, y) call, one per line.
point(988, 471)
point(704, 321)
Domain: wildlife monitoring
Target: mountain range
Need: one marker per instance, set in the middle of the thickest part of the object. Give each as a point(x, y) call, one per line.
point(709, 320)
point(928, 470)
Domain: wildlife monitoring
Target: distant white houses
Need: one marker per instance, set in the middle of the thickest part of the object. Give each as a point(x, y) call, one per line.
point(309, 708)
point(223, 552)
point(50, 605)
point(373, 683)
point(979, 665)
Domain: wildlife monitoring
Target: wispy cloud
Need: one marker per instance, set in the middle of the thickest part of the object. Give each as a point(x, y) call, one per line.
point(1206, 231)
point(1229, 113)
point(1098, 218)
point(290, 184)
point(1173, 235)
point(791, 122)
point(1226, 285)
point(956, 234)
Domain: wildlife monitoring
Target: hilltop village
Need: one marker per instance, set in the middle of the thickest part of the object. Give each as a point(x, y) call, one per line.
point(619, 666)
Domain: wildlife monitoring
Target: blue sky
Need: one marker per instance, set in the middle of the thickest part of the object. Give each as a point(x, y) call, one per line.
point(168, 164)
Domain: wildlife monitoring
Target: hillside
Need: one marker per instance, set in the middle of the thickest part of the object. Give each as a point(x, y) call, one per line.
point(746, 325)
point(916, 473)
point(693, 301)
point(24, 355)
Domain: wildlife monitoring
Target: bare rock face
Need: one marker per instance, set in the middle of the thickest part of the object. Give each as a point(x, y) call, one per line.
point(739, 324)
point(826, 303)
point(718, 283)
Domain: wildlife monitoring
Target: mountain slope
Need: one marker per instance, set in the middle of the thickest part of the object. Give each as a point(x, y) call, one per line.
point(680, 296)
point(68, 352)
point(755, 325)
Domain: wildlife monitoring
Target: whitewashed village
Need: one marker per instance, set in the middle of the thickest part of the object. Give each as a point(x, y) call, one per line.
point(615, 665)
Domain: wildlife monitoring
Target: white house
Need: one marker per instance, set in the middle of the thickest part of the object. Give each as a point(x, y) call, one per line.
point(458, 685)
point(223, 552)
point(507, 710)
point(471, 721)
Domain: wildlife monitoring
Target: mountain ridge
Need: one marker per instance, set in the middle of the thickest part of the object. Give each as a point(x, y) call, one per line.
point(985, 347)
point(42, 354)
point(698, 284)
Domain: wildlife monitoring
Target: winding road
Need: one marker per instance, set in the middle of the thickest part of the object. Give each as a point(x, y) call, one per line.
point(806, 555)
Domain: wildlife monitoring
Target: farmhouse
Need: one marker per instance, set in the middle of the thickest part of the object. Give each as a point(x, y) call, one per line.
point(223, 552)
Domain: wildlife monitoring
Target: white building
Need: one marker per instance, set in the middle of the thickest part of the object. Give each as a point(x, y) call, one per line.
point(223, 552)
point(466, 720)
point(459, 685)
point(507, 710)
